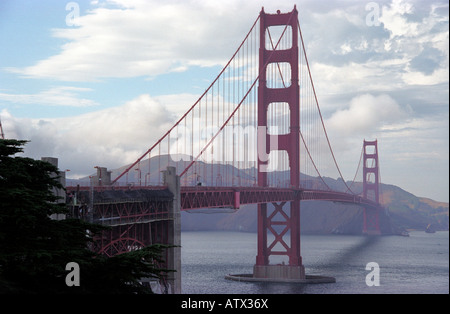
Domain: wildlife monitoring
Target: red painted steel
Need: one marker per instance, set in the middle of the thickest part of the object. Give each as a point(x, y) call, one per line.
point(219, 197)
point(371, 185)
point(136, 218)
point(289, 142)
point(197, 197)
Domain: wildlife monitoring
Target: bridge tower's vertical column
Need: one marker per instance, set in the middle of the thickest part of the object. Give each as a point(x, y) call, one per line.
point(289, 224)
point(172, 181)
point(371, 186)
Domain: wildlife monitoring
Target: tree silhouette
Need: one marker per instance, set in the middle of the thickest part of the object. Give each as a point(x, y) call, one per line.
point(35, 249)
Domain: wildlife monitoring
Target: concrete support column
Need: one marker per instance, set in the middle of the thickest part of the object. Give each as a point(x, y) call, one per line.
point(172, 181)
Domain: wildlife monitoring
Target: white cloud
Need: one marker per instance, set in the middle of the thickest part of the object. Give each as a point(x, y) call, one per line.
point(177, 104)
point(414, 28)
point(56, 96)
point(418, 78)
point(145, 38)
point(136, 38)
point(358, 77)
point(111, 137)
point(395, 20)
point(366, 114)
point(413, 150)
point(352, 56)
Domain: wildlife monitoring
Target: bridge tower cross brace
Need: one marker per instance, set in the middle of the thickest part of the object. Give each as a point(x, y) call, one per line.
point(371, 185)
point(290, 142)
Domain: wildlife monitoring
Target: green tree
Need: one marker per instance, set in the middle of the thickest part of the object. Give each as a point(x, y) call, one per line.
point(34, 249)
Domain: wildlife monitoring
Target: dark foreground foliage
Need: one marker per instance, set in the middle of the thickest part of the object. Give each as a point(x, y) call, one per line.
point(35, 249)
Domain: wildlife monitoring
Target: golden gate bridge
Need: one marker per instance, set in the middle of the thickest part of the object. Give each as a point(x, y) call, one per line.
point(255, 136)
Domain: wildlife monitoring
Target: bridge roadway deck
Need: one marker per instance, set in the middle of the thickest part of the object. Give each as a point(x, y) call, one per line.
point(197, 197)
point(217, 197)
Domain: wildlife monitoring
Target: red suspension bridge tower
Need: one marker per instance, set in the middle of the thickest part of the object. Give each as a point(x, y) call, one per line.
point(279, 223)
point(371, 187)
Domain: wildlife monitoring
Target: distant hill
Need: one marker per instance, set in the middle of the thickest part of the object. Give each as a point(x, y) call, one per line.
point(405, 210)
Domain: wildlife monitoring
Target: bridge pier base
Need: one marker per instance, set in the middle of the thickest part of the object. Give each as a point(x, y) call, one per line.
point(371, 223)
point(279, 224)
point(279, 272)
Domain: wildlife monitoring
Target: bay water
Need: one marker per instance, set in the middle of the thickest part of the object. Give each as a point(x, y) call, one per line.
point(418, 264)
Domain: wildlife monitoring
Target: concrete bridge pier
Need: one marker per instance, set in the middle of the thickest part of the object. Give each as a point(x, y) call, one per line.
point(172, 181)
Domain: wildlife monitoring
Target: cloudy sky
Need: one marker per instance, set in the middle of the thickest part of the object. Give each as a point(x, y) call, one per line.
point(95, 83)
